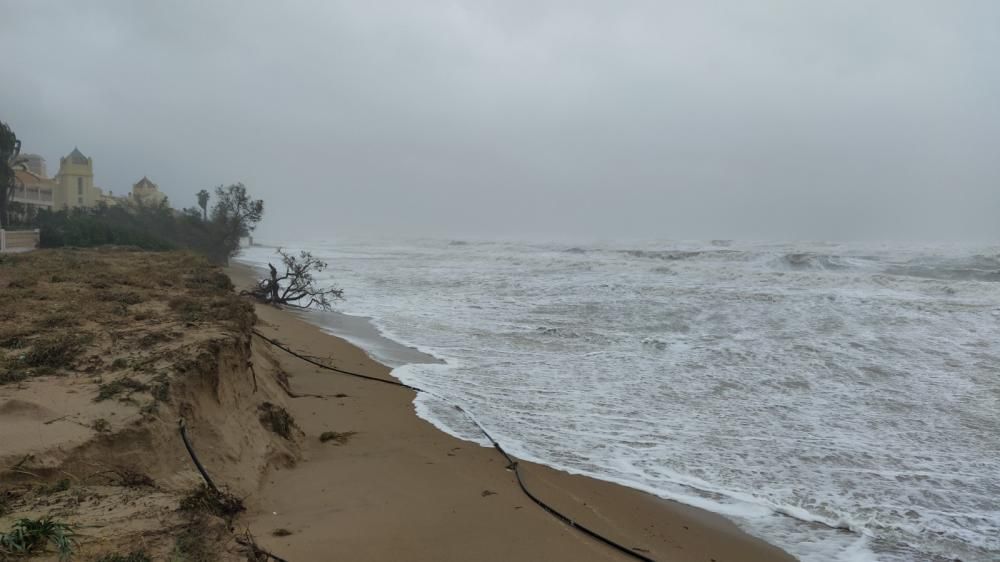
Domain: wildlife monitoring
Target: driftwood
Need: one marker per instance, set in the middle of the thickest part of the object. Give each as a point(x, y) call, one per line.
point(296, 287)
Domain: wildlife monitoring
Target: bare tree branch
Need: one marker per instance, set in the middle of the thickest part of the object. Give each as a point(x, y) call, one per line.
point(296, 284)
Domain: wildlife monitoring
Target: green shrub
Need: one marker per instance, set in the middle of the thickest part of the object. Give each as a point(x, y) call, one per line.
point(31, 536)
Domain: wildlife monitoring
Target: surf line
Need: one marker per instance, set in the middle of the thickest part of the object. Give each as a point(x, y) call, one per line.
point(512, 464)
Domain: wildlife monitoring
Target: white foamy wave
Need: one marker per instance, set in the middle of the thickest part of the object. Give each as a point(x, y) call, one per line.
point(792, 388)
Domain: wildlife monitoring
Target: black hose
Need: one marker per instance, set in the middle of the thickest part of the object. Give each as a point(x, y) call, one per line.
point(247, 540)
point(187, 445)
point(512, 464)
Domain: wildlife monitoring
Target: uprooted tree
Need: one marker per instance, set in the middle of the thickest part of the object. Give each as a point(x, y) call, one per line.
point(297, 285)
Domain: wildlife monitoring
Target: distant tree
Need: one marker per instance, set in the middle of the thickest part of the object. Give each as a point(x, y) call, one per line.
point(296, 287)
point(203, 203)
point(10, 162)
point(234, 216)
point(156, 226)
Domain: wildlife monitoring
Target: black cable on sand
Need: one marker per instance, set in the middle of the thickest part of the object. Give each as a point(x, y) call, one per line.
point(512, 464)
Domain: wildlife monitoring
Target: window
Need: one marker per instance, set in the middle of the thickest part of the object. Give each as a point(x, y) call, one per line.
point(79, 186)
point(79, 200)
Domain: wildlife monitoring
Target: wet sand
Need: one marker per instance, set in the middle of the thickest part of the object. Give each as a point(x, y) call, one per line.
point(399, 489)
point(360, 332)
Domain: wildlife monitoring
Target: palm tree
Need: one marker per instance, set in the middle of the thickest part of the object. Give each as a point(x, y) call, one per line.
point(203, 203)
point(10, 162)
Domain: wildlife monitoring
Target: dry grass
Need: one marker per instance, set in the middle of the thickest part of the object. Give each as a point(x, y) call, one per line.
point(139, 328)
point(128, 478)
point(194, 542)
point(75, 311)
point(10, 376)
point(277, 419)
point(55, 487)
point(101, 425)
point(134, 556)
point(206, 500)
point(55, 351)
point(115, 389)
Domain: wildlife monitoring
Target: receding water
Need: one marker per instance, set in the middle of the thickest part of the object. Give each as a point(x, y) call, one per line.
point(791, 387)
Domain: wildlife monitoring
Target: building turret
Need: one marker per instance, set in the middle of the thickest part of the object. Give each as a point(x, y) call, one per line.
point(76, 182)
point(147, 192)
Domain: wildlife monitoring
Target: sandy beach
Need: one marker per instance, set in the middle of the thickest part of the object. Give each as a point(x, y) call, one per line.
point(397, 488)
point(312, 465)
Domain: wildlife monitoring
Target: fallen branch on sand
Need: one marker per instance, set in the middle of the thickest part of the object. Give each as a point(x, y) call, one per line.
point(253, 551)
point(297, 285)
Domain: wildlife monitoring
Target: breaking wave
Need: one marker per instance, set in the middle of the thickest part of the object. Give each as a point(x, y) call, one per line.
point(795, 388)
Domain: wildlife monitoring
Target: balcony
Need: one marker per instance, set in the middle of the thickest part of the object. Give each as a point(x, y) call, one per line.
point(35, 196)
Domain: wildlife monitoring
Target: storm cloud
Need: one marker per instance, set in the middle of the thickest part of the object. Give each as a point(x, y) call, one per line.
point(575, 119)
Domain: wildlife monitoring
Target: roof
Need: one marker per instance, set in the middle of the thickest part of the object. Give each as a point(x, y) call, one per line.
point(144, 183)
point(27, 177)
point(77, 157)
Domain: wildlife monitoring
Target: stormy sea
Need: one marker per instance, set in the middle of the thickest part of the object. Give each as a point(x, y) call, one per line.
point(841, 401)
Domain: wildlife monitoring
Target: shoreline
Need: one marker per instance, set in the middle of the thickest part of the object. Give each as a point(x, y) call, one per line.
point(361, 332)
point(400, 488)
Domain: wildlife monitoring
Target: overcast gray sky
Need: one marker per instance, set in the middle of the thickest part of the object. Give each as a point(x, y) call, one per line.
point(575, 119)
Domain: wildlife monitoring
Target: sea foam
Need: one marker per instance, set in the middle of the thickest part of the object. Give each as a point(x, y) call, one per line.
point(840, 401)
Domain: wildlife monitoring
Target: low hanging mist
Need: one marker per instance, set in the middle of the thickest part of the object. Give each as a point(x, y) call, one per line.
point(597, 120)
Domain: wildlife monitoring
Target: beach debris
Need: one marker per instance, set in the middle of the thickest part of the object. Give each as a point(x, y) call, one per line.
point(338, 438)
point(253, 551)
point(101, 425)
point(204, 499)
point(277, 419)
point(296, 287)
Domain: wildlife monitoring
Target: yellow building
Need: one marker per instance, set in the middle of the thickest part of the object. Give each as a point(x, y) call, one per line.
point(73, 186)
point(76, 182)
point(33, 192)
point(146, 192)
